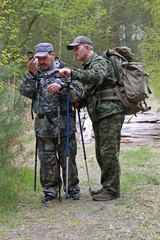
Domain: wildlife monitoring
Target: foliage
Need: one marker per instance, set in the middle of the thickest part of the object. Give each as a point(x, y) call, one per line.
point(151, 44)
point(24, 23)
point(11, 124)
point(121, 23)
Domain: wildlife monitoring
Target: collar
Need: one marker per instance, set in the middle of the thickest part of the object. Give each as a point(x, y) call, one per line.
point(88, 62)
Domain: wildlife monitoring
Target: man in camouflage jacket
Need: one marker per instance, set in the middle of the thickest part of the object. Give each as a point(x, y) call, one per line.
point(48, 93)
point(107, 115)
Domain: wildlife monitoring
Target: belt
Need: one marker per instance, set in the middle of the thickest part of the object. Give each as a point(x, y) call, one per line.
point(50, 115)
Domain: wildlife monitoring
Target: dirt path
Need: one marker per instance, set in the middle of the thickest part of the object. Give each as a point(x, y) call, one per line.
point(142, 129)
point(136, 215)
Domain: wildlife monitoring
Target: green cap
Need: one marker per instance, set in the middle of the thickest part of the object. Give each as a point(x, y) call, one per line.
point(79, 40)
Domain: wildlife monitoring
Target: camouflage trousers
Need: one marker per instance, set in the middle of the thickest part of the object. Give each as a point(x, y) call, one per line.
point(107, 144)
point(50, 154)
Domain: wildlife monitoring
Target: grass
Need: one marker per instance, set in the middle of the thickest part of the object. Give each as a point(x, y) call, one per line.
point(16, 190)
point(138, 166)
point(136, 215)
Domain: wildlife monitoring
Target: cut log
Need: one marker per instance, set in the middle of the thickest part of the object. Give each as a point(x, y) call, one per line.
point(141, 130)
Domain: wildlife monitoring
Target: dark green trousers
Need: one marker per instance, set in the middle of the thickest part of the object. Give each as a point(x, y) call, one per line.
point(107, 144)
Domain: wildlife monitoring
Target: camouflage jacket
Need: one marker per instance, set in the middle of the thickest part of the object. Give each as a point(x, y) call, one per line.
point(97, 74)
point(48, 122)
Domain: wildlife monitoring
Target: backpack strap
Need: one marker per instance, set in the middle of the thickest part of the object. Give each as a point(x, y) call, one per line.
point(111, 54)
point(146, 78)
point(107, 94)
point(144, 106)
point(115, 68)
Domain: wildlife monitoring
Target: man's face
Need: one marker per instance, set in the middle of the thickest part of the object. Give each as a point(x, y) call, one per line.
point(46, 61)
point(80, 52)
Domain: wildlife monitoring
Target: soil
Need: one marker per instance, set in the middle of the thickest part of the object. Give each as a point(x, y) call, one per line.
point(136, 215)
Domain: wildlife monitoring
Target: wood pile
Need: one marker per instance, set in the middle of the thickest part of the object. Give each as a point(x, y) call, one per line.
point(143, 129)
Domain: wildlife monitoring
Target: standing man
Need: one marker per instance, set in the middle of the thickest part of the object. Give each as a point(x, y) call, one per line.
point(107, 116)
point(48, 91)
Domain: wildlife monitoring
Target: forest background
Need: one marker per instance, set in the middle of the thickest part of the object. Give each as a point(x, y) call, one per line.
point(25, 23)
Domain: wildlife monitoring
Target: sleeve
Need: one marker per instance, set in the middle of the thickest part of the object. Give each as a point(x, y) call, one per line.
point(28, 86)
point(76, 90)
point(95, 75)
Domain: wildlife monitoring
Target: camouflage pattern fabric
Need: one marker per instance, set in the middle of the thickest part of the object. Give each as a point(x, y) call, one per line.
point(96, 74)
point(107, 143)
point(47, 119)
point(107, 118)
point(46, 126)
point(49, 153)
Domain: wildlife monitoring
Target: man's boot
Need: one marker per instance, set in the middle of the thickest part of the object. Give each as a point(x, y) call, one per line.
point(96, 192)
point(103, 197)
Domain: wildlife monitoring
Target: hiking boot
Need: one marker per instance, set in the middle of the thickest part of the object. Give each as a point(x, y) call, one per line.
point(47, 198)
point(96, 192)
point(103, 197)
point(74, 196)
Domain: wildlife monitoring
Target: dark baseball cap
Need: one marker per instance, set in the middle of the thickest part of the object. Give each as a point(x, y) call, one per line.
point(42, 49)
point(79, 40)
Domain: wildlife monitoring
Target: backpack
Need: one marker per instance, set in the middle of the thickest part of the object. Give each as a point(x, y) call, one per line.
point(130, 88)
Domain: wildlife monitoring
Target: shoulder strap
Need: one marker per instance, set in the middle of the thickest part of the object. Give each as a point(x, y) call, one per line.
point(146, 78)
point(116, 68)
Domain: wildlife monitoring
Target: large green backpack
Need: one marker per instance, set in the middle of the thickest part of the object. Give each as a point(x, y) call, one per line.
point(131, 80)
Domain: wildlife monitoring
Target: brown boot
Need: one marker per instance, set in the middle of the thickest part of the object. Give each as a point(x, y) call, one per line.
point(103, 197)
point(96, 192)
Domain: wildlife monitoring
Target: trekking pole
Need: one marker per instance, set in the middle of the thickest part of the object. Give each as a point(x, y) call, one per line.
point(59, 142)
point(67, 151)
point(36, 148)
point(84, 151)
point(35, 167)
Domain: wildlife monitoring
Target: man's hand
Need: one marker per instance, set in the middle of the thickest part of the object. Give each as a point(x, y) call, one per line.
point(32, 65)
point(64, 72)
point(53, 88)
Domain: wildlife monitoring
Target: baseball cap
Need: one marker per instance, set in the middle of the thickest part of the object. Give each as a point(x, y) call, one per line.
point(79, 40)
point(42, 49)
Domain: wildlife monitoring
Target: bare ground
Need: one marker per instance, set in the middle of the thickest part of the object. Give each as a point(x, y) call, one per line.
point(136, 215)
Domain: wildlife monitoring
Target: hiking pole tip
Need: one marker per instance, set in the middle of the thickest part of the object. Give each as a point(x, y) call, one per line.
point(67, 195)
point(90, 190)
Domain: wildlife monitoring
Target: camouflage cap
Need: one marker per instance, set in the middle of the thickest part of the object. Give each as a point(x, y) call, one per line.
point(42, 49)
point(79, 40)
